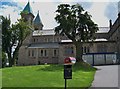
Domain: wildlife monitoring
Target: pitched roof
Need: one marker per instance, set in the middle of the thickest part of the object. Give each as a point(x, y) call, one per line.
point(28, 8)
point(44, 32)
point(37, 20)
point(103, 29)
point(44, 45)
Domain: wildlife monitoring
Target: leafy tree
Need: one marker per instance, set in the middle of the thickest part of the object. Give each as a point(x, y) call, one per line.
point(4, 57)
point(6, 38)
point(20, 31)
point(75, 23)
point(11, 35)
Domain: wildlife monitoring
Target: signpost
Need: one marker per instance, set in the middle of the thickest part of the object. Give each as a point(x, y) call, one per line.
point(68, 62)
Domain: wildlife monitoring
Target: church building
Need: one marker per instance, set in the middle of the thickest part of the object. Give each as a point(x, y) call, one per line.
point(44, 46)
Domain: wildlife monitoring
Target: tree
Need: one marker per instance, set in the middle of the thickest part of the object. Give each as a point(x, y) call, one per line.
point(20, 31)
point(76, 24)
point(11, 35)
point(6, 38)
point(4, 57)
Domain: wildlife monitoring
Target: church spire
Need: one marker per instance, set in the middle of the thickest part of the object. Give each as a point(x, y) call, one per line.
point(28, 9)
point(27, 13)
point(38, 23)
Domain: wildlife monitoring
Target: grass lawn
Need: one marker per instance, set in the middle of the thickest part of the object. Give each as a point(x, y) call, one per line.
point(47, 76)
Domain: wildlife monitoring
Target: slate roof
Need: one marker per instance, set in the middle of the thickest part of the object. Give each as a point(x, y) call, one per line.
point(28, 9)
point(37, 20)
point(44, 45)
point(103, 30)
point(44, 32)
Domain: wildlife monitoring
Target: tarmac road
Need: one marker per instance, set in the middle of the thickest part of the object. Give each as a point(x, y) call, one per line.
point(106, 76)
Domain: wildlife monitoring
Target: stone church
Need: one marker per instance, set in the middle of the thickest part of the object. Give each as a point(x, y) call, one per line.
point(44, 46)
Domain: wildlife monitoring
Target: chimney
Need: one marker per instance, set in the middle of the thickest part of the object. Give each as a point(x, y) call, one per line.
point(110, 23)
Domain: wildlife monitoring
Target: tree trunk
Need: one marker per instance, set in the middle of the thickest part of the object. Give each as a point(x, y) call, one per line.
point(15, 53)
point(10, 59)
point(79, 51)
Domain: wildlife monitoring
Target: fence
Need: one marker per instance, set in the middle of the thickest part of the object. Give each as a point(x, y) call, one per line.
point(100, 58)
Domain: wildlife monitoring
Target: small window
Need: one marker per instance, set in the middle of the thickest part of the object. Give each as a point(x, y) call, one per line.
point(41, 52)
point(45, 51)
point(55, 52)
point(29, 53)
point(34, 40)
point(32, 53)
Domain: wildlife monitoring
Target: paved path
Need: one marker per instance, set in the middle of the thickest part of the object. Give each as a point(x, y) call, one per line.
point(106, 76)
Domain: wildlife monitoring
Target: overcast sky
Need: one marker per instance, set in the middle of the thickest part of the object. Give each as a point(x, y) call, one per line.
point(101, 12)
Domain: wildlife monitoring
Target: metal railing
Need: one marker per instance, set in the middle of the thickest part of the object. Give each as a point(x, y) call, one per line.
point(101, 58)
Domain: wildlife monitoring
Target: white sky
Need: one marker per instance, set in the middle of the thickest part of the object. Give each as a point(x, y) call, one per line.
point(97, 12)
point(47, 10)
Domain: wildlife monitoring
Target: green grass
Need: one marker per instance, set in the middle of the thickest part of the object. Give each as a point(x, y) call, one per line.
point(47, 76)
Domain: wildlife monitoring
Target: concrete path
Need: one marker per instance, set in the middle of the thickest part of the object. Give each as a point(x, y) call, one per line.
point(106, 76)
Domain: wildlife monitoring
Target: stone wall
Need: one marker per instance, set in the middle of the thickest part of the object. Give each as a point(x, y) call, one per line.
point(32, 56)
point(114, 34)
point(95, 47)
point(63, 54)
point(47, 38)
point(101, 35)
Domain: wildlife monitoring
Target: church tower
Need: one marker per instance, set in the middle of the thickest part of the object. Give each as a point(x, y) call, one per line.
point(37, 22)
point(27, 14)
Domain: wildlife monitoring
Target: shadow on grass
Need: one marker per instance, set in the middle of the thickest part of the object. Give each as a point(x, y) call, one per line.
point(52, 67)
point(77, 67)
point(83, 67)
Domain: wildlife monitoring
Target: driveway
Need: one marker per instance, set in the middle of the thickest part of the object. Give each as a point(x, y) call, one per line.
point(106, 76)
